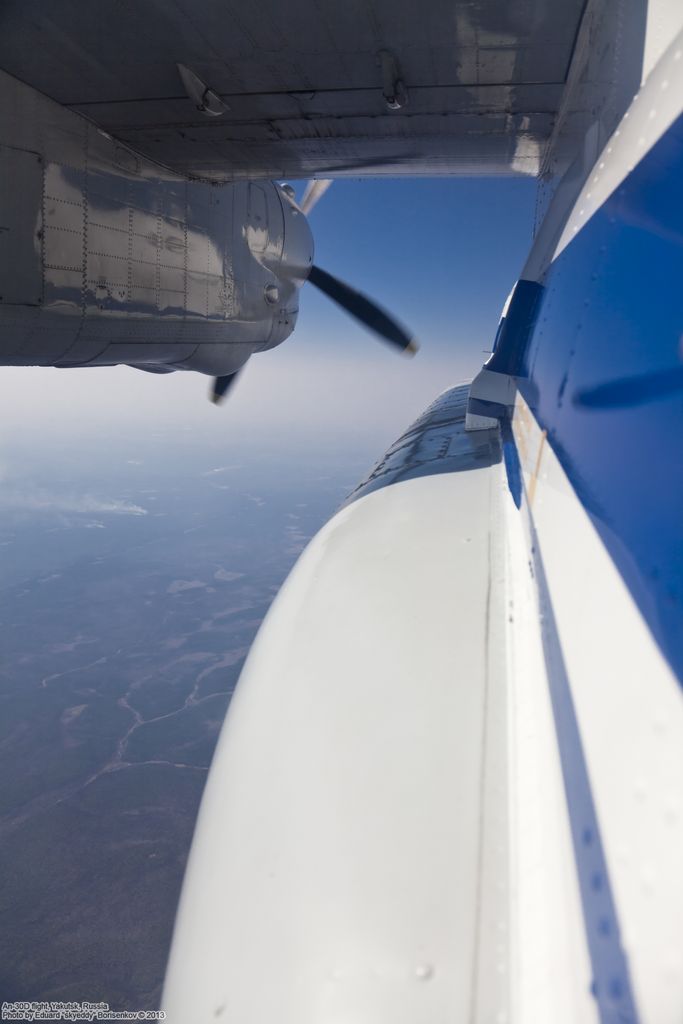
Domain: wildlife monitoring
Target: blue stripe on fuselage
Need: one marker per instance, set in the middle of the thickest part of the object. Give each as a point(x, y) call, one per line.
point(611, 985)
point(604, 377)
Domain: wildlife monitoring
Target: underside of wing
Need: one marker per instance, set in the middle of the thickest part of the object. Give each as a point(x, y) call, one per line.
point(296, 89)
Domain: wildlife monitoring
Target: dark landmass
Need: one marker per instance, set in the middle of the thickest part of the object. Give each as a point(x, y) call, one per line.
point(125, 620)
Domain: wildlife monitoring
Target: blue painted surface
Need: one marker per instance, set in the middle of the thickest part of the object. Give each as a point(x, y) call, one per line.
point(513, 467)
point(611, 983)
point(515, 328)
point(605, 378)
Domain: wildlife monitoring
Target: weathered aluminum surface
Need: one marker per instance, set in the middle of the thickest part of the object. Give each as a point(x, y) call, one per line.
point(303, 81)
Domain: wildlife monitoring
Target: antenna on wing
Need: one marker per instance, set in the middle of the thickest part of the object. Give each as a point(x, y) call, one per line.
point(206, 100)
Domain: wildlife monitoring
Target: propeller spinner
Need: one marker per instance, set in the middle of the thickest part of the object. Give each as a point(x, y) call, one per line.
point(357, 305)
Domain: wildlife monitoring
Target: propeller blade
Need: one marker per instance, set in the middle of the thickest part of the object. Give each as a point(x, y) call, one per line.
point(221, 386)
point(315, 190)
point(364, 310)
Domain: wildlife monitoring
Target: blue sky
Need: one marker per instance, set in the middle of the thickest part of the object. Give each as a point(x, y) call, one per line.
point(441, 254)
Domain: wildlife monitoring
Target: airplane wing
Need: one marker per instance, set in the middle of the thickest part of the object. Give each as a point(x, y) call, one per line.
point(449, 784)
point(376, 86)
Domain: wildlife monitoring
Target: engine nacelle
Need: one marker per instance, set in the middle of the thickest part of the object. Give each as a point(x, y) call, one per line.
point(107, 258)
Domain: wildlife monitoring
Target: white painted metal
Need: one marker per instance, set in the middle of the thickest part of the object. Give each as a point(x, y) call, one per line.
point(630, 715)
point(653, 110)
point(664, 22)
point(550, 966)
point(340, 825)
point(490, 387)
point(383, 837)
point(605, 115)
